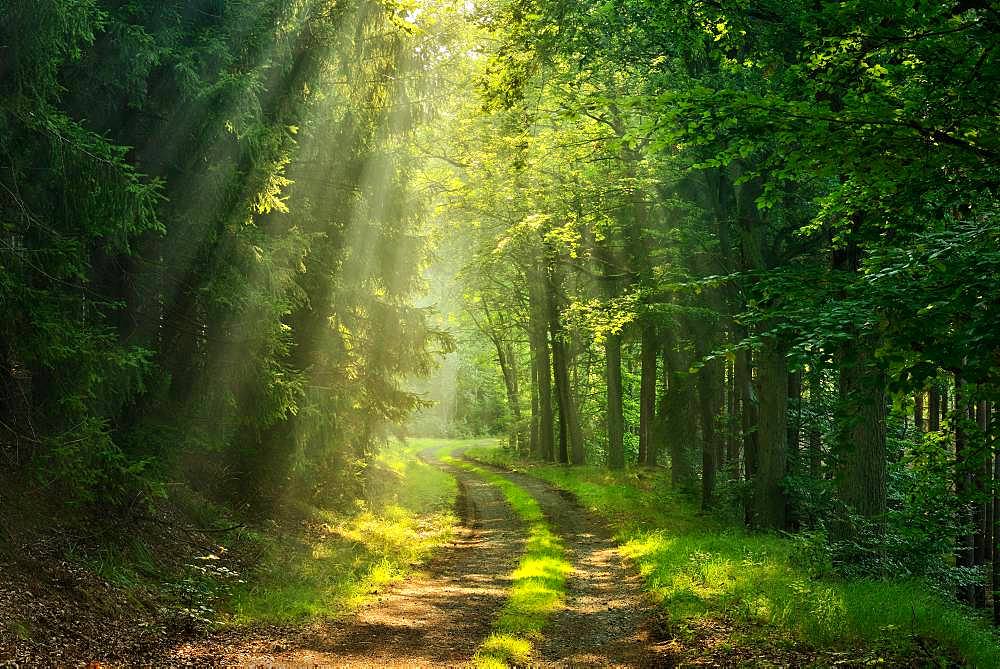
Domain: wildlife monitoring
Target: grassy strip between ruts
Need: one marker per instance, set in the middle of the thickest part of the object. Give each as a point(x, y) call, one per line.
point(704, 569)
point(539, 587)
point(345, 557)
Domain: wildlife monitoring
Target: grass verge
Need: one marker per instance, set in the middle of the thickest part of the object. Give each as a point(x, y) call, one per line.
point(340, 559)
point(703, 569)
point(539, 587)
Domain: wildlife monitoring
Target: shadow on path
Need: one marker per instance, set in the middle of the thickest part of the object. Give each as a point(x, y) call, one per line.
point(608, 617)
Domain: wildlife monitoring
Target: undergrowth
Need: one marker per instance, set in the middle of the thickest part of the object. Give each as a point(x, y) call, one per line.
point(188, 564)
point(198, 567)
point(341, 558)
point(701, 567)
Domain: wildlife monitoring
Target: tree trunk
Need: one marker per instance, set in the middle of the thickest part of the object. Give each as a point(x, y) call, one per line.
point(794, 422)
point(815, 437)
point(934, 408)
point(770, 503)
point(965, 542)
point(980, 477)
point(983, 417)
point(545, 426)
point(535, 444)
point(508, 369)
point(662, 409)
point(918, 411)
point(732, 446)
point(708, 410)
point(748, 423)
point(996, 516)
point(679, 417)
point(647, 393)
point(616, 420)
point(861, 456)
point(794, 464)
point(542, 363)
point(571, 439)
point(515, 368)
point(562, 452)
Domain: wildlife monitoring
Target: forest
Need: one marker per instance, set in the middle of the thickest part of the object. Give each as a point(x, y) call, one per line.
point(499, 333)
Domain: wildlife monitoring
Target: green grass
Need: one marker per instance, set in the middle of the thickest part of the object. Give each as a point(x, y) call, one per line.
point(346, 558)
point(539, 582)
point(700, 567)
point(19, 628)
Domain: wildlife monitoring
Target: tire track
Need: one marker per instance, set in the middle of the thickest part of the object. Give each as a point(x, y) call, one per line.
point(608, 617)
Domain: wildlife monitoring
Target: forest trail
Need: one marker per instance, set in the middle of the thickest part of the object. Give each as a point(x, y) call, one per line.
point(438, 618)
point(608, 621)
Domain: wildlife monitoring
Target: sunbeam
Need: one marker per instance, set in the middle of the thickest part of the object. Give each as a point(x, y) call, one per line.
point(698, 297)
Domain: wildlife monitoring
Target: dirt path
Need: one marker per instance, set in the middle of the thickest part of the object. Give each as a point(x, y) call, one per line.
point(607, 617)
point(436, 619)
point(439, 618)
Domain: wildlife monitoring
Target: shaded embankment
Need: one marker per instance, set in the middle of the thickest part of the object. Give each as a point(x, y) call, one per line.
point(607, 620)
point(436, 619)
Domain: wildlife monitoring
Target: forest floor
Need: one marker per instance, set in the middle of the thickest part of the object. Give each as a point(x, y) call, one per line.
point(440, 617)
point(435, 618)
point(625, 599)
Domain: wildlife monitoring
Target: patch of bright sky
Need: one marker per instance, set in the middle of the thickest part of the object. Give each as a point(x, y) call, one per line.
point(412, 16)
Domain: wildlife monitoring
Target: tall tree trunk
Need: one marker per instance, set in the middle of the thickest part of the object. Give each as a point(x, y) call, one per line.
point(508, 369)
point(794, 464)
point(570, 437)
point(610, 283)
point(647, 392)
point(535, 443)
point(980, 476)
point(861, 448)
point(748, 424)
point(708, 411)
point(983, 417)
point(794, 422)
point(965, 542)
point(662, 408)
point(996, 513)
point(522, 428)
point(918, 411)
point(562, 451)
point(679, 419)
point(769, 497)
point(752, 256)
point(732, 455)
point(934, 408)
point(542, 362)
point(815, 437)
point(545, 425)
point(616, 419)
